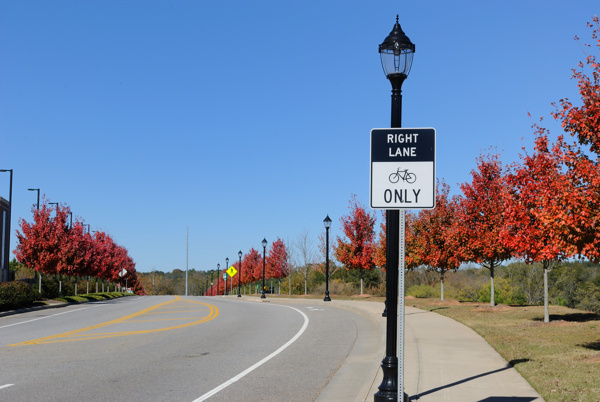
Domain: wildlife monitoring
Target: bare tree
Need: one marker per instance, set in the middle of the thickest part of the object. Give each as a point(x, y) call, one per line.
point(304, 263)
point(289, 266)
point(333, 267)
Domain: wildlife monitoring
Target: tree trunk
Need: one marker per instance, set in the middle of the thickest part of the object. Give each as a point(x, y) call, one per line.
point(361, 281)
point(305, 287)
point(546, 310)
point(492, 291)
point(442, 284)
point(290, 282)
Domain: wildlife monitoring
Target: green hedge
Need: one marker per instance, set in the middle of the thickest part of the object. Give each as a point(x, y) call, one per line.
point(17, 294)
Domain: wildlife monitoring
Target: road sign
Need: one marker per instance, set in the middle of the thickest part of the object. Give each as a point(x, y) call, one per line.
point(224, 276)
point(402, 168)
point(232, 271)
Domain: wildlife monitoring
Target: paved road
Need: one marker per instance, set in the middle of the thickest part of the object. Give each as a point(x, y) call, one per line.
point(166, 348)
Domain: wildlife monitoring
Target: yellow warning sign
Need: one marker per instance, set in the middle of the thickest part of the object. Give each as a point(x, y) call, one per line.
point(232, 271)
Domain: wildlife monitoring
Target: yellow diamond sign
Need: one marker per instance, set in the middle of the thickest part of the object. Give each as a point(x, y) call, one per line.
point(232, 271)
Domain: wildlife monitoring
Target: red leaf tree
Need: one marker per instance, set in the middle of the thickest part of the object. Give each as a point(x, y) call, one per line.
point(536, 214)
point(252, 266)
point(583, 162)
point(276, 264)
point(358, 250)
point(431, 232)
point(40, 242)
point(481, 218)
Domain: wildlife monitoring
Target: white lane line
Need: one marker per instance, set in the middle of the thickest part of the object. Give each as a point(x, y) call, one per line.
point(6, 386)
point(41, 318)
point(260, 363)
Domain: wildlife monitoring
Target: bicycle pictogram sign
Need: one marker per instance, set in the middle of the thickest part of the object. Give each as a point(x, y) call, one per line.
point(403, 174)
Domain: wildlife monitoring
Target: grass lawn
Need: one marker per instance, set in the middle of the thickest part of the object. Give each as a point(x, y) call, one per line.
point(560, 359)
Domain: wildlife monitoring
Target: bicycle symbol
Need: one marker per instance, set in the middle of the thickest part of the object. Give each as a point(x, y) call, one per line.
point(405, 175)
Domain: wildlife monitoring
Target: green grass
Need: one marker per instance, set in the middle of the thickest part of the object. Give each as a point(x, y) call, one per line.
point(560, 359)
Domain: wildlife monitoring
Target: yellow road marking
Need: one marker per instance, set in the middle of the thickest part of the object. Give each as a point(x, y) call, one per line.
point(78, 334)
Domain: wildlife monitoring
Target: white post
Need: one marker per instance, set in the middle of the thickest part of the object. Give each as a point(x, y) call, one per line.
point(400, 344)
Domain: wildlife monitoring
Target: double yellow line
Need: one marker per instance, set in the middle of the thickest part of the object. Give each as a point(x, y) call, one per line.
point(84, 333)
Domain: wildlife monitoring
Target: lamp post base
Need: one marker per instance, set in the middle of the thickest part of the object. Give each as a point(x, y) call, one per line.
point(388, 390)
point(262, 295)
point(327, 298)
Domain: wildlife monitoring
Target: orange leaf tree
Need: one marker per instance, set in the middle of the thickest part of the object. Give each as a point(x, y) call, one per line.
point(357, 251)
point(481, 218)
point(430, 233)
point(582, 159)
point(537, 212)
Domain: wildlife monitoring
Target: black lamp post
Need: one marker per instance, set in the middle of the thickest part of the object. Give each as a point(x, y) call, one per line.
point(38, 196)
point(6, 246)
point(264, 244)
point(327, 223)
point(211, 283)
point(225, 276)
point(396, 54)
point(218, 274)
point(240, 277)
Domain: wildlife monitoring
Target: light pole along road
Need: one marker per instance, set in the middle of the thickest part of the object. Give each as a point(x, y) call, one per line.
point(173, 348)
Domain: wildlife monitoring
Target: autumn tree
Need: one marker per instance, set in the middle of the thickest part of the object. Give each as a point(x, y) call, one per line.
point(357, 250)
point(277, 261)
point(40, 242)
point(536, 214)
point(50, 245)
point(431, 232)
point(252, 266)
point(480, 218)
point(380, 250)
point(583, 157)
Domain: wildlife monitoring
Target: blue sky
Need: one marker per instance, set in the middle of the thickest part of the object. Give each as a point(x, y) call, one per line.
point(250, 120)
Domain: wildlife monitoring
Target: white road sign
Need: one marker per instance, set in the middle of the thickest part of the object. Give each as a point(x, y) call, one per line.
point(402, 168)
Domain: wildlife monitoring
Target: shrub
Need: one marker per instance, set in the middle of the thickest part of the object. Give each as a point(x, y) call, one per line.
point(17, 294)
point(589, 297)
point(423, 291)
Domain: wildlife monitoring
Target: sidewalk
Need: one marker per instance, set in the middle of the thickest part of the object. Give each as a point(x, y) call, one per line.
point(444, 361)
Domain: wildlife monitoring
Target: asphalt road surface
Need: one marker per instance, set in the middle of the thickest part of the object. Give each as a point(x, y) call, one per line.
point(172, 348)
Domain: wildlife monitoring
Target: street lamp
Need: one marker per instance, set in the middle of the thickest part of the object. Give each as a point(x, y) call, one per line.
point(226, 267)
point(396, 54)
point(5, 248)
point(240, 277)
point(38, 196)
point(327, 223)
point(264, 244)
